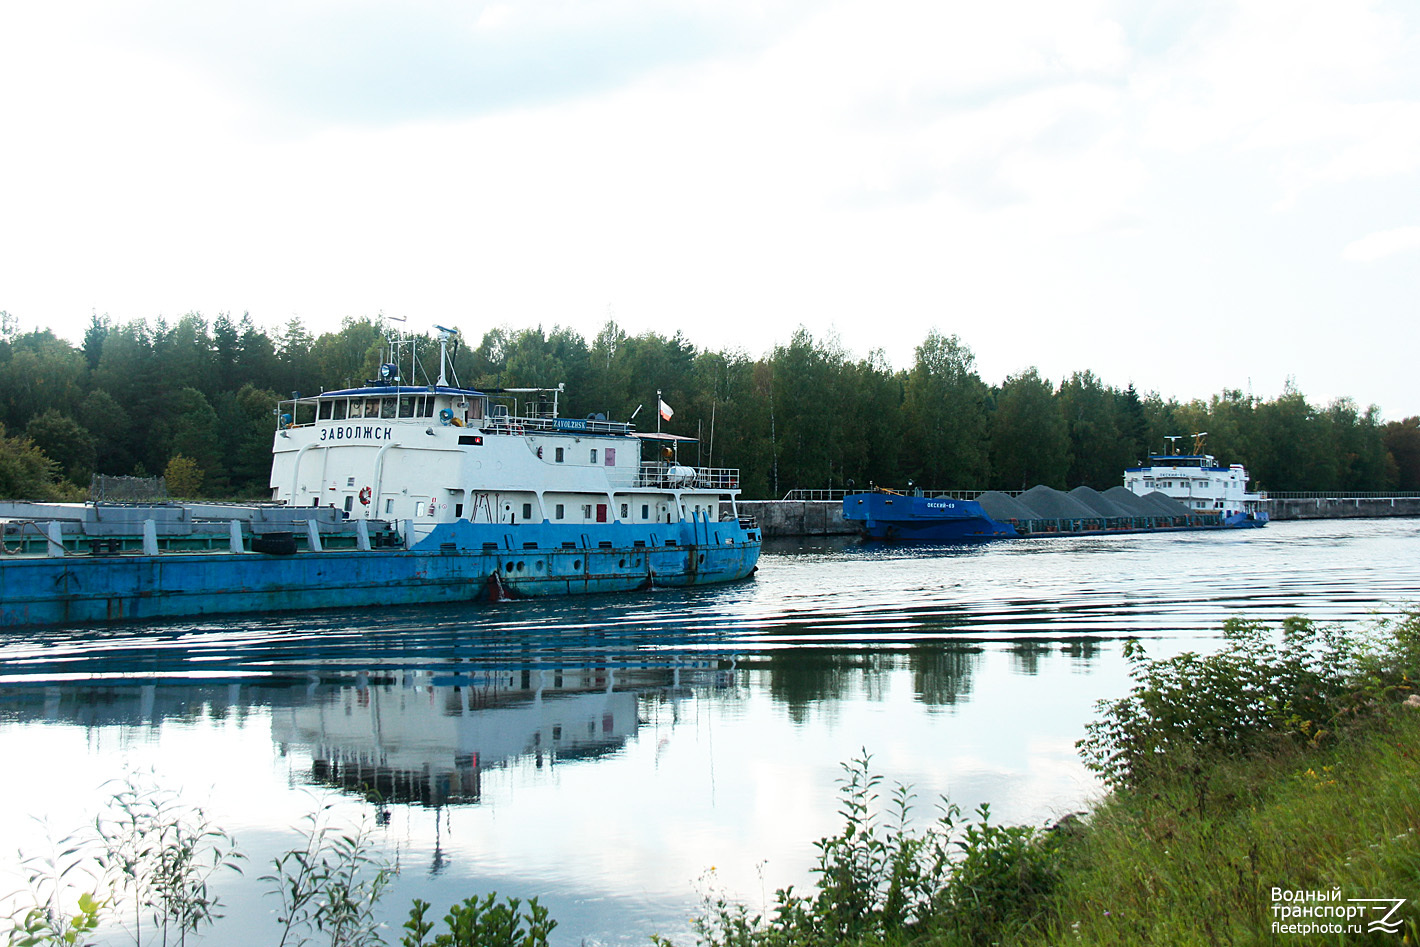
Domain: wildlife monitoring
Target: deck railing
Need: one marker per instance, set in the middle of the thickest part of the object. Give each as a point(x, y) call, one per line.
point(511, 424)
point(801, 494)
point(1340, 495)
point(663, 476)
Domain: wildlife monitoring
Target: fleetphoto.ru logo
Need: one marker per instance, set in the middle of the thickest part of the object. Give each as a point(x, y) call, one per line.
point(1326, 912)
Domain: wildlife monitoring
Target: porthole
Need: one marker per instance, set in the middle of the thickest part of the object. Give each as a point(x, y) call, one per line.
point(621, 564)
point(576, 564)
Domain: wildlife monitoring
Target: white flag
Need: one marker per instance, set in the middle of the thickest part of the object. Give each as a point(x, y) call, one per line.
point(665, 410)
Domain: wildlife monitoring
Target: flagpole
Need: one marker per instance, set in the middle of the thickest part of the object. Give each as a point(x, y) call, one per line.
point(658, 410)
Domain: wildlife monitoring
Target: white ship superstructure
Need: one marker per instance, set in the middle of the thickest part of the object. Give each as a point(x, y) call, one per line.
point(500, 470)
point(1201, 484)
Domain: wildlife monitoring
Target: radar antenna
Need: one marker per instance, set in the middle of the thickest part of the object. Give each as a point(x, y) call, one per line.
point(445, 336)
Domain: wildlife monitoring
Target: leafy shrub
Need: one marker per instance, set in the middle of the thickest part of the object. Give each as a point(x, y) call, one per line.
point(1002, 879)
point(878, 882)
point(1187, 713)
point(482, 923)
point(40, 928)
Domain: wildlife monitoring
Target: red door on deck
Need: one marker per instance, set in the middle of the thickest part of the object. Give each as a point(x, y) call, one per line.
point(601, 512)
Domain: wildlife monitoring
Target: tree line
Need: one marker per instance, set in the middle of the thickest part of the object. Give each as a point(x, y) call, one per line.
point(196, 399)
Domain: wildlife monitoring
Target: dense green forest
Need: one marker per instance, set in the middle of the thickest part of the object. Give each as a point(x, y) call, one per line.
point(194, 399)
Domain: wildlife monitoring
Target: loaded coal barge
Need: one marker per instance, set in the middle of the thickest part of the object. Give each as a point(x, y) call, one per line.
point(1172, 493)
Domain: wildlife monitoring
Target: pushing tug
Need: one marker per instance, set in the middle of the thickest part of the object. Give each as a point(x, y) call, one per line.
point(1206, 489)
point(397, 493)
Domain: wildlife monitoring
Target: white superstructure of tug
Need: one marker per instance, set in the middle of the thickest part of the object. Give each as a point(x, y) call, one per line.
point(1198, 482)
point(441, 453)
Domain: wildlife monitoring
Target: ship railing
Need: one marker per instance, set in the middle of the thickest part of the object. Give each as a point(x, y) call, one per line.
point(513, 424)
point(664, 476)
point(799, 493)
point(1338, 495)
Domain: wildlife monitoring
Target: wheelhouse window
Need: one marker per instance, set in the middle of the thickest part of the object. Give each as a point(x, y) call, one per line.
point(325, 409)
point(357, 409)
point(406, 407)
point(372, 407)
point(340, 408)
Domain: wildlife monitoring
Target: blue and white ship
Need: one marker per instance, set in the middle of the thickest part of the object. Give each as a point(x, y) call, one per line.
point(395, 494)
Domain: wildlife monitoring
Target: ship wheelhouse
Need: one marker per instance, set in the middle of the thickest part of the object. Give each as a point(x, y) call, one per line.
point(428, 455)
point(1197, 481)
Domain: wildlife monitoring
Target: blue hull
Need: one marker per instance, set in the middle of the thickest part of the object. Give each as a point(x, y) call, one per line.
point(456, 563)
point(1247, 520)
point(895, 517)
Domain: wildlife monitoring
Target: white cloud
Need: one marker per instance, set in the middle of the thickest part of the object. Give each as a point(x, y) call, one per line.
point(1382, 244)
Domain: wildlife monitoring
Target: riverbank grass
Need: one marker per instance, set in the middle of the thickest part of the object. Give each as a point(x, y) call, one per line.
point(1268, 793)
point(1221, 860)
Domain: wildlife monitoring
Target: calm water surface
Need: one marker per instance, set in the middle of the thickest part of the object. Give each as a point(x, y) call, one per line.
point(616, 756)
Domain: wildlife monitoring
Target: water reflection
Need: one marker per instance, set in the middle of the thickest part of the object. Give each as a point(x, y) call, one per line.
point(941, 677)
point(426, 744)
point(603, 752)
point(422, 725)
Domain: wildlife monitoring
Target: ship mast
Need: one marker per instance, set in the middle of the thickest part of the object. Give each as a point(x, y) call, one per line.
point(444, 336)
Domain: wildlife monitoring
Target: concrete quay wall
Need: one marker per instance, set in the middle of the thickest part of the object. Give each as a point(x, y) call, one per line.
point(799, 517)
point(1341, 508)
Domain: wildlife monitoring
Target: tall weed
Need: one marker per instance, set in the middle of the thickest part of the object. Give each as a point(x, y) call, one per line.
point(330, 884)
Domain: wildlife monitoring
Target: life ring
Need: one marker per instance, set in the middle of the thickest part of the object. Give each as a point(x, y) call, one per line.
point(365, 495)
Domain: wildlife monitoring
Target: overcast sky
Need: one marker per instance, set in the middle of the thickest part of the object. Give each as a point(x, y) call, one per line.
point(1186, 195)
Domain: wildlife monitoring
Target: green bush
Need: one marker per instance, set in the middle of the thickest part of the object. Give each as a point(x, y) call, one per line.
point(878, 882)
point(1187, 713)
point(1001, 881)
point(482, 923)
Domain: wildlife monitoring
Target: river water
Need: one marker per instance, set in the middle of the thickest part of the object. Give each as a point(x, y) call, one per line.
point(621, 756)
